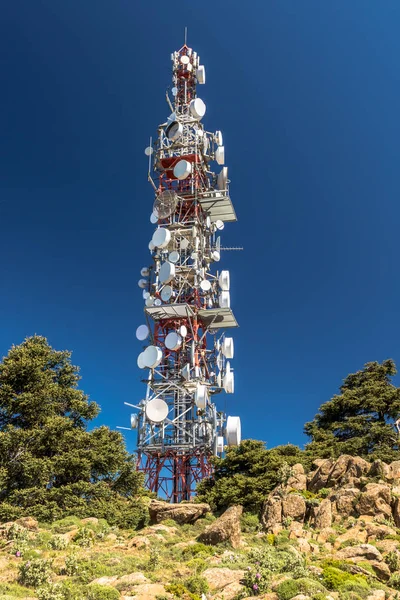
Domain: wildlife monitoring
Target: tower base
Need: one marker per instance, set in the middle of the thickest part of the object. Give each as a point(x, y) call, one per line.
point(174, 474)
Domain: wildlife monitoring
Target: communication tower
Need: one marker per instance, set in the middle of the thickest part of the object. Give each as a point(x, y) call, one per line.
point(186, 354)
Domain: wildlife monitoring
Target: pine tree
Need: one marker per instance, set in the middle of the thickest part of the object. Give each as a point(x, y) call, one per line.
point(50, 465)
point(359, 421)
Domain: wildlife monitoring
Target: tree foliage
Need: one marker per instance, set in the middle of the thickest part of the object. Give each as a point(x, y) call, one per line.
point(50, 465)
point(359, 420)
point(247, 474)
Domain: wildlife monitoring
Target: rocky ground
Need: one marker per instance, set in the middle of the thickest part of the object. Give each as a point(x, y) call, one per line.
point(331, 534)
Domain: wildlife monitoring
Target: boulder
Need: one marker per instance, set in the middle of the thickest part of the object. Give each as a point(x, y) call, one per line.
point(225, 528)
point(330, 473)
point(271, 513)
point(323, 515)
point(319, 478)
point(394, 471)
point(232, 590)
point(379, 531)
point(90, 520)
point(355, 533)
point(396, 512)
point(343, 501)
point(379, 469)
point(298, 479)
point(381, 570)
point(148, 591)
point(110, 580)
point(294, 506)
point(377, 595)
point(219, 578)
point(180, 513)
point(132, 579)
point(362, 552)
point(29, 523)
point(375, 500)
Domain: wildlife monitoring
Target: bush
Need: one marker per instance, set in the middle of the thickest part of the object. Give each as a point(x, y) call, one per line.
point(197, 549)
point(250, 523)
point(35, 573)
point(290, 588)
point(50, 592)
point(71, 566)
point(197, 584)
point(57, 542)
point(334, 578)
point(101, 592)
point(361, 589)
point(84, 537)
point(394, 581)
point(392, 560)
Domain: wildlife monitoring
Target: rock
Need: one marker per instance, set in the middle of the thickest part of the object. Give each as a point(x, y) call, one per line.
point(386, 546)
point(319, 479)
point(29, 523)
point(379, 469)
point(165, 528)
point(148, 591)
point(326, 533)
point(112, 537)
point(294, 506)
point(323, 515)
point(271, 513)
point(346, 468)
point(377, 595)
point(221, 577)
point(232, 590)
point(132, 579)
point(139, 541)
point(355, 533)
point(381, 569)
point(268, 596)
point(343, 501)
point(180, 513)
point(375, 499)
point(91, 520)
point(363, 551)
point(394, 471)
point(225, 528)
point(301, 597)
point(396, 512)
point(298, 479)
point(304, 546)
point(68, 536)
point(105, 580)
point(377, 531)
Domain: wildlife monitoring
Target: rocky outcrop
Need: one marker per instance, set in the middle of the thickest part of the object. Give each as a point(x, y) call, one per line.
point(271, 513)
point(374, 500)
point(297, 480)
point(294, 507)
point(346, 469)
point(323, 515)
point(180, 513)
point(225, 529)
point(361, 552)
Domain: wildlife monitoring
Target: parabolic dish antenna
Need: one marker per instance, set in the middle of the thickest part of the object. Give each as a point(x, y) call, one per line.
point(205, 285)
point(185, 244)
point(174, 91)
point(157, 302)
point(142, 283)
point(185, 372)
point(200, 396)
point(145, 271)
point(220, 444)
point(197, 108)
point(152, 357)
point(167, 272)
point(148, 151)
point(134, 421)
point(174, 131)
point(165, 204)
point(161, 237)
point(153, 218)
point(166, 293)
point(219, 380)
point(142, 332)
point(224, 300)
point(149, 300)
point(146, 294)
point(224, 281)
point(220, 155)
point(173, 256)
point(233, 431)
point(227, 347)
point(183, 330)
point(185, 60)
point(182, 169)
point(201, 74)
point(216, 256)
point(218, 138)
point(219, 224)
point(140, 361)
point(222, 179)
point(156, 410)
point(173, 341)
point(229, 383)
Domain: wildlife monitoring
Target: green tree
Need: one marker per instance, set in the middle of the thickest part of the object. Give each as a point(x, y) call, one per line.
point(359, 420)
point(247, 474)
point(50, 465)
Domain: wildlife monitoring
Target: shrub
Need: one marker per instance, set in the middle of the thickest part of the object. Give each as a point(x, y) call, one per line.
point(394, 581)
point(197, 584)
point(57, 542)
point(35, 573)
point(84, 537)
point(197, 549)
point(50, 592)
point(349, 542)
point(361, 589)
point(250, 523)
point(334, 578)
point(154, 560)
point(293, 587)
point(71, 566)
point(324, 492)
point(102, 592)
point(392, 560)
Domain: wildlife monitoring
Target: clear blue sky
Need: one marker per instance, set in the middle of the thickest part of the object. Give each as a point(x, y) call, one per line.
point(307, 95)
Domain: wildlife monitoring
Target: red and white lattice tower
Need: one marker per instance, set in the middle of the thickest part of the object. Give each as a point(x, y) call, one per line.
point(186, 355)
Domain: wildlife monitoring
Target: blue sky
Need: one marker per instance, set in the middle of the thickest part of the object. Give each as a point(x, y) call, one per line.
point(307, 95)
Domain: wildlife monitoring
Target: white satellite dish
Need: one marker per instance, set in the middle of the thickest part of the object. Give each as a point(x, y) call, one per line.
point(201, 74)
point(224, 281)
point(156, 410)
point(222, 179)
point(167, 272)
point(153, 218)
point(174, 131)
point(171, 118)
point(185, 244)
point(205, 285)
point(229, 383)
point(173, 256)
point(134, 421)
point(218, 138)
point(224, 300)
point(220, 444)
point(197, 108)
point(227, 367)
point(146, 294)
point(220, 155)
point(142, 283)
point(142, 332)
point(228, 347)
point(173, 340)
point(166, 293)
point(233, 431)
point(145, 271)
point(185, 372)
point(149, 301)
point(165, 203)
point(161, 237)
point(182, 169)
point(219, 380)
point(219, 224)
point(151, 246)
point(148, 151)
point(183, 330)
point(174, 91)
point(208, 222)
point(185, 60)
point(157, 302)
point(152, 356)
point(140, 361)
point(216, 256)
point(200, 396)
point(219, 361)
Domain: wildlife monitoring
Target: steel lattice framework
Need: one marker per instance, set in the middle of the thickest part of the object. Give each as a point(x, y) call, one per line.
point(186, 354)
